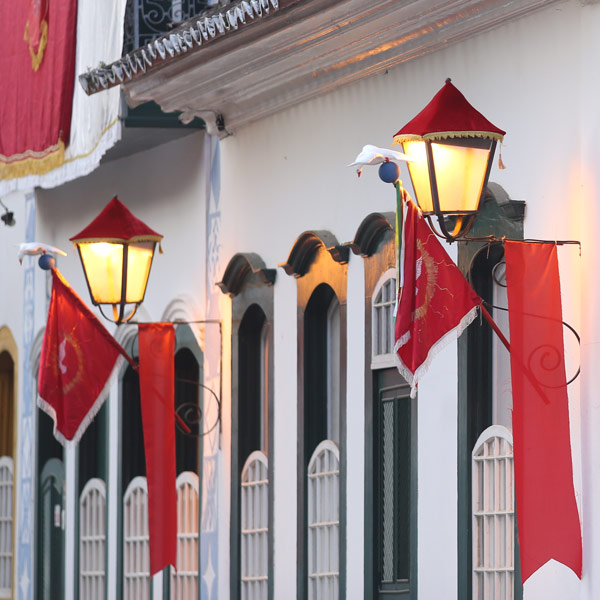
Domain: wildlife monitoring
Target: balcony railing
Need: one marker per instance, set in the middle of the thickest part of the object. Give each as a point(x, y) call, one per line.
point(145, 20)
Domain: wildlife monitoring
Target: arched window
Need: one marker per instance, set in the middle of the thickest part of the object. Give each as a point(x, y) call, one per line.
point(184, 582)
point(255, 527)
point(322, 367)
point(136, 545)
point(249, 284)
point(382, 320)
point(322, 437)
point(252, 439)
point(50, 501)
point(92, 540)
point(188, 402)
point(323, 492)
point(493, 512)
point(252, 390)
point(485, 406)
point(6, 526)
point(92, 476)
point(136, 565)
point(391, 426)
point(319, 264)
point(7, 425)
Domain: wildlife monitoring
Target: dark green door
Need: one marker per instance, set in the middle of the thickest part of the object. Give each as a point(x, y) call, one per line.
point(50, 565)
point(394, 452)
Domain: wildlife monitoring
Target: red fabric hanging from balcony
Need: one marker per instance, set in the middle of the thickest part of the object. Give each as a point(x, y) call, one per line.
point(37, 68)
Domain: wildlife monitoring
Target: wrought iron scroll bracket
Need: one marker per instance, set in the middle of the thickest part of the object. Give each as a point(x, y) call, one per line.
point(192, 415)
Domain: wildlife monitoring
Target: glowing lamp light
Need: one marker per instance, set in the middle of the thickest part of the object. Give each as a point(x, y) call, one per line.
point(116, 251)
point(453, 149)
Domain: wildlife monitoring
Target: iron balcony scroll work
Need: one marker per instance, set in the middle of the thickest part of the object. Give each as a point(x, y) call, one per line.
point(145, 20)
point(543, 358)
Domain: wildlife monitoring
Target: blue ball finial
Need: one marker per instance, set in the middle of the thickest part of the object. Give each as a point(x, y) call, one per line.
point(389, 172)
point(46, 262)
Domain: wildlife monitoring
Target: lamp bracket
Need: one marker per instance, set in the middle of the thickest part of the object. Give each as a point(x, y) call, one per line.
point(545, 348)
point(191, 414)
point(495, 241)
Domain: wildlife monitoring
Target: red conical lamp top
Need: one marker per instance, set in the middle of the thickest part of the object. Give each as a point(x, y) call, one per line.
point(448, 115)
point(116, 223)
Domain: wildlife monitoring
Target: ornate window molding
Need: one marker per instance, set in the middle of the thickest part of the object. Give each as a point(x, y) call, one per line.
point(249, 283)
point(319, 263)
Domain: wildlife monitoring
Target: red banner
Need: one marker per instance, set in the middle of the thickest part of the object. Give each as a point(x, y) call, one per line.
point(157, 388)
point(435, 302)
point(37, 67)
point(78, 357)
point(547, 516)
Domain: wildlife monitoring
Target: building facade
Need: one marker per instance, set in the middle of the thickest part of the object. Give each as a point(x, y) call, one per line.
point(313, 475)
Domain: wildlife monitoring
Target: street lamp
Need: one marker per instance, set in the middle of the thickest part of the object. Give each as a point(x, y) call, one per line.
point(452, 146)
point(116, 251)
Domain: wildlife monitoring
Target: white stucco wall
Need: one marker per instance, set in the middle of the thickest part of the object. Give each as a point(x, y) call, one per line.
point(538, 79)
point(532, 77)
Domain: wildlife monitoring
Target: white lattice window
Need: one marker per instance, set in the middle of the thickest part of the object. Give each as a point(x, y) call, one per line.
point(255, 527)
point(324, 522)
point(184, 582)
point(136, 547)
point(6, 525)
point(384, 301)
point(92, 540)
point(493, 515)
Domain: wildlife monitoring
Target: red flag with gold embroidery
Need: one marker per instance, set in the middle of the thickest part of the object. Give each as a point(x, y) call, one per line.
point(37, 67)
point(435, 302)
point(77, 360)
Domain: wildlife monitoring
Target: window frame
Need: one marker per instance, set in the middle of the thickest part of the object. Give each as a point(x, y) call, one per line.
point(95, 484)
point(248, 282)
point(184, 338)
point(384, 360)
point(375, 242)
point(257, 457)
point(503, 217)
point(191, 480)
point(502, 433)
point(317, 258)
point(7, 463)
point(9, 345)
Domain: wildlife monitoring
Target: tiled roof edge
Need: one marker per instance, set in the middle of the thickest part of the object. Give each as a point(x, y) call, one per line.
point(186, 36)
